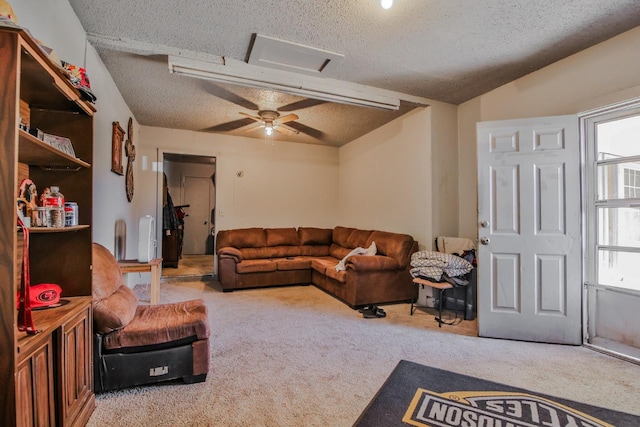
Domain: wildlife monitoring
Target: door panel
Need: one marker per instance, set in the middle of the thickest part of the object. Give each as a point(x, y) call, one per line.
point(505, 282)
point(529, 285)
point(550, 182)
point(197, 227)
point(505, 195)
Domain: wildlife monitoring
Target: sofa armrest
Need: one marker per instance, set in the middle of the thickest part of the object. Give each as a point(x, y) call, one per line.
point(371, 263)
point(229, 252)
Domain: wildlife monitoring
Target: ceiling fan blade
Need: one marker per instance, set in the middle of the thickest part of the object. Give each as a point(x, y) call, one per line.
point(227, 95)
point(287, 118)
point(254, 127)
point(230, 126)
point(307, 130)
point(257, 119)
point(299, 105)
point(285, 130)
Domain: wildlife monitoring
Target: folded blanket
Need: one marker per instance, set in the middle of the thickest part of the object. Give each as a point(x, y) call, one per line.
point(432, 264)
point(371, 250)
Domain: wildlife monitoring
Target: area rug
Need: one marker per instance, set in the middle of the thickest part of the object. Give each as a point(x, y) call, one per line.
point(418, 395)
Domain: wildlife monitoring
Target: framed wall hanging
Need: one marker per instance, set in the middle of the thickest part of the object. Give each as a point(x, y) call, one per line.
point(117, 136)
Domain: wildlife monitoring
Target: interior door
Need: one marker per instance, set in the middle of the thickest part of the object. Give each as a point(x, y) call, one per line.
point(529, 256)
point(197, 227)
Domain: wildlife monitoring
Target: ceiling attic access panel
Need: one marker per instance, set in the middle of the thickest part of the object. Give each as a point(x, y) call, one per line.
point(284, 55)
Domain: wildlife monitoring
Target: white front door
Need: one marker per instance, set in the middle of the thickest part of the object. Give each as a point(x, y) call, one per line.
point(529, 252)
point(197, 223)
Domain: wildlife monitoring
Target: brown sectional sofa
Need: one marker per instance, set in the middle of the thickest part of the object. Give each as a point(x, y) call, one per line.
point(259, 257)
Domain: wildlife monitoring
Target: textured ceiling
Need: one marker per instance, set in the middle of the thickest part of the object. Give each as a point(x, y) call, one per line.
point(445, 50)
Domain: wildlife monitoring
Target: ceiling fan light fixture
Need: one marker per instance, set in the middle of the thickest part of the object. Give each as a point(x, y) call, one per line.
point(268, 129)
point(386, 4)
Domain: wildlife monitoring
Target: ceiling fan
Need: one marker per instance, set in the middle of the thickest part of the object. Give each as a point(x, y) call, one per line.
point(271, 121)
point(267, 118)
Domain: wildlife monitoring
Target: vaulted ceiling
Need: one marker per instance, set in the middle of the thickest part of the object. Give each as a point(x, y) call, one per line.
point(443, 50)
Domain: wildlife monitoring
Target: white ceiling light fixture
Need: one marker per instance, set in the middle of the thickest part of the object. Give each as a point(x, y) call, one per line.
point(241, 73)
point(386, 4)
point(271, 121)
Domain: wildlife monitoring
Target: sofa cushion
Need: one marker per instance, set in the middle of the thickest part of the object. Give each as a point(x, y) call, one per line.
point(242, 238)
point(256, 266)
point(314, 250)
point(283, 251)
point(321, 264)
point(114, 312)
point(157, 324)
point(394, 245)
point(359, 239)
point(114, 304)
point(282, 237)
point(338, 251)
point(255, 253)
point(315, 236)
point(340, 276)
point(296, 263)
point(105, 274)
point(341, 236)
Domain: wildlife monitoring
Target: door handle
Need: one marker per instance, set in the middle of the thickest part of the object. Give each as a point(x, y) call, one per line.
point(484, 240)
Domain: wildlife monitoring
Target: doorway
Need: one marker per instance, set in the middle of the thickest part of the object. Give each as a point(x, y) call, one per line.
point(612, 208)
point(529, 257)
point(191, 185)
point(521, 192)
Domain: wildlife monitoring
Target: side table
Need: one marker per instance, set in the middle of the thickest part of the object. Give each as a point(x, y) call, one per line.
point(154, 266)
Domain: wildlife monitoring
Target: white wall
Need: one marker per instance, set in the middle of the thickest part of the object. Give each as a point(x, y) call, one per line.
point(603, 74)
point(445, 181)
point(281, 185)
point(386, 176)
point(55, 24)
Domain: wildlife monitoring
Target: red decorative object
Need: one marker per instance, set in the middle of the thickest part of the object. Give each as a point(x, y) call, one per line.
point(25, 321)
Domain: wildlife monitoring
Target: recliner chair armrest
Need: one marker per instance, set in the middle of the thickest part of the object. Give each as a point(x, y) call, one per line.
point(230, 252)
point(371, 263)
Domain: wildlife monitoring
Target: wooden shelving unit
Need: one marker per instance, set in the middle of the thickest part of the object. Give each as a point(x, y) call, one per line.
point(47, 378)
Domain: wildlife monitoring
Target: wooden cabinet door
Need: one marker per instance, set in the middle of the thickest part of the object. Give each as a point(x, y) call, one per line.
point(75, 382)
point(34, 381)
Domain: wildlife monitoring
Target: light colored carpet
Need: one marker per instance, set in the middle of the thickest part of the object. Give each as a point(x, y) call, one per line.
point(295, 356)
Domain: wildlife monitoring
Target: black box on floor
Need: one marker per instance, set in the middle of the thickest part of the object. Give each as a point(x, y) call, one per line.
point(462, 298)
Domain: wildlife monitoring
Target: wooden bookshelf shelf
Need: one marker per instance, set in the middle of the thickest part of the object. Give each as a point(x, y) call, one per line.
point(36, 152)
point(48, 230)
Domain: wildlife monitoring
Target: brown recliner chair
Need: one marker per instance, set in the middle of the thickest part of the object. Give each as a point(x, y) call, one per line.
point(142, 344)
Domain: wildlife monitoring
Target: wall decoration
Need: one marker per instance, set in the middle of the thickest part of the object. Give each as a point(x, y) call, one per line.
point(117, 135)
point(130, 151)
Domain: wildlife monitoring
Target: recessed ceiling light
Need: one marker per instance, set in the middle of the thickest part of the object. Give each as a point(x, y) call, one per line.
point(386, 4)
